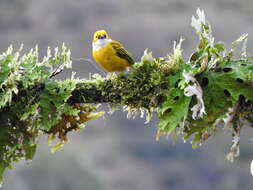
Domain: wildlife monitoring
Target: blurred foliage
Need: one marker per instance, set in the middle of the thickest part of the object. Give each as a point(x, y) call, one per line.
point(191, 98)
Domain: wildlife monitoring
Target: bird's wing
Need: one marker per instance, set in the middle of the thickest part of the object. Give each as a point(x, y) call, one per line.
point(121, 52)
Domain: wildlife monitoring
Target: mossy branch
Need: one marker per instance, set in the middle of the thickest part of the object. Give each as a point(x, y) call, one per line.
point(191, 98)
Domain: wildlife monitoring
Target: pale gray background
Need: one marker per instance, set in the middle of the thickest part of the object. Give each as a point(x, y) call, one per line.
point(115, 153)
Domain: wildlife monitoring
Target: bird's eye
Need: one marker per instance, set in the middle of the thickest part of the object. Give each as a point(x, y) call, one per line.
point(102, 36)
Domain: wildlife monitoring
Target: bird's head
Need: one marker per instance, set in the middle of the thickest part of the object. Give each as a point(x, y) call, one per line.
point(99, 35)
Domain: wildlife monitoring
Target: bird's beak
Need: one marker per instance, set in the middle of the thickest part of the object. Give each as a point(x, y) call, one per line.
point(102, 36)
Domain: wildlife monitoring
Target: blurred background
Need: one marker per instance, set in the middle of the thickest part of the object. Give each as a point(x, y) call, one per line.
point(114, 153)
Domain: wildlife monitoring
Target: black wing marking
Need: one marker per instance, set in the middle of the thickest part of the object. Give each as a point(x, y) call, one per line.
point(121, 52)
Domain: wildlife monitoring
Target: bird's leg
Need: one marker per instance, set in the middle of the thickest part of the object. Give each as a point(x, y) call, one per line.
point(128, 69)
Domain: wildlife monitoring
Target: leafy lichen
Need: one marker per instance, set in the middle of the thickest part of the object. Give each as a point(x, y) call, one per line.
point(32, 103)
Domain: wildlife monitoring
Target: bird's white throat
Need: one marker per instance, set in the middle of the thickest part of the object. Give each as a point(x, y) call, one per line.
point(100, 43)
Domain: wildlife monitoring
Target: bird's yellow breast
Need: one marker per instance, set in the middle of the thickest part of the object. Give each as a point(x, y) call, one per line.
point(106, 57)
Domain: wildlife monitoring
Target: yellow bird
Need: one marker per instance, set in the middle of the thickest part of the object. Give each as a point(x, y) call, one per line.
point(110, 54)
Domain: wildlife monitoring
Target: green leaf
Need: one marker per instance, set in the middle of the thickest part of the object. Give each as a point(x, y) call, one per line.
point(221, 90)
point(30, 151)
point(174, 108)
point(234, 77)
point(219, 47)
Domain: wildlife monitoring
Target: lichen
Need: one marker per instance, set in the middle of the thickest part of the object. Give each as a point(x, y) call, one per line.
point(32, 103)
